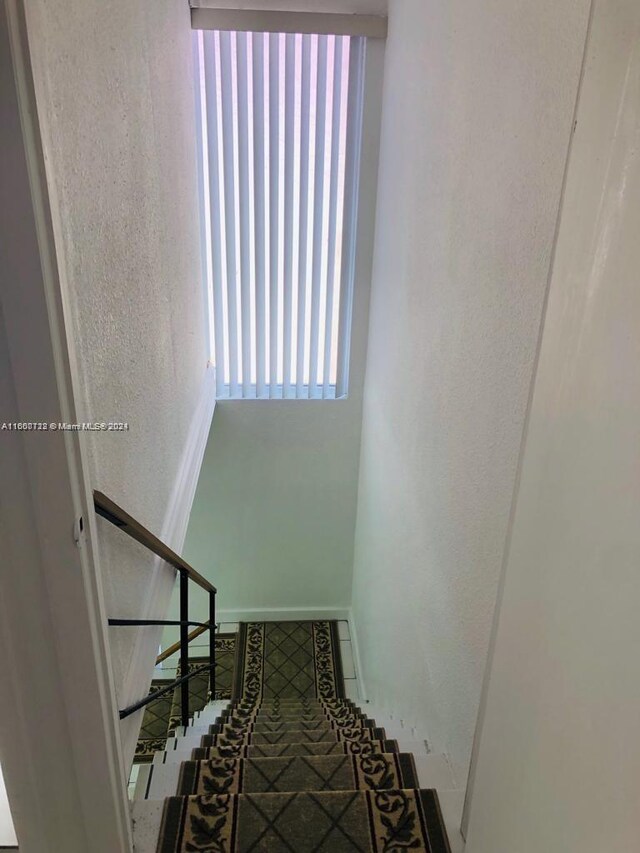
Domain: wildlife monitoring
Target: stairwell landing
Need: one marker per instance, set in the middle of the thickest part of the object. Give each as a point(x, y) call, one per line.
point(289, 765)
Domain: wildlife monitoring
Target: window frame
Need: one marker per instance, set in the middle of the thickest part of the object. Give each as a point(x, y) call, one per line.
point(360, 193)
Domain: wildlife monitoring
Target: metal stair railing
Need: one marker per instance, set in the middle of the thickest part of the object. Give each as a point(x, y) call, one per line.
point(111, 512)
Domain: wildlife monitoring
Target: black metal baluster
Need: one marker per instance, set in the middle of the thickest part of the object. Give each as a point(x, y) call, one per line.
point(184, 646)
point(115, 515)
point(212, 644)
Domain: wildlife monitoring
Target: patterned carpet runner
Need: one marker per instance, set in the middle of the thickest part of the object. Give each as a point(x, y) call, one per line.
point(199, 684)
point(293, 767)
point(163, 715)
point(155, 723)
point(288, 660)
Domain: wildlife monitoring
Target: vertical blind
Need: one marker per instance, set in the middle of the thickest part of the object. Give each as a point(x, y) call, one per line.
point(279, 120)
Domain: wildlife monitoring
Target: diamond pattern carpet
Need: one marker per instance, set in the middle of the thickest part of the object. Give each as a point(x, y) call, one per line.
point(293, 767)
point(306, 822)
point(297, 773)
point(199, 685)
point(288, 660)
point(163, 715)
point(155, 723)
point(274, 750)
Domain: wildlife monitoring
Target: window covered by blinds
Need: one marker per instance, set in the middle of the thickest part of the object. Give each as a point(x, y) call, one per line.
point(279, 123)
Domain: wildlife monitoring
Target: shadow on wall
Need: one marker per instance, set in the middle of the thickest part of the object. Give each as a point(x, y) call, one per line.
point(274, 512)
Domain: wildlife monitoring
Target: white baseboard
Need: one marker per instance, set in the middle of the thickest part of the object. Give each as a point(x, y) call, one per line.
point(355, 649)
point(282, 614)
point(173, 533)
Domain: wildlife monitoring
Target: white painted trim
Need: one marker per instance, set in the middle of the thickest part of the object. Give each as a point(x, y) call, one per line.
point(272, 21)
point(55, 725)
point(174, 530)
point(365, 215)
point(355, 649)
point(283, 614)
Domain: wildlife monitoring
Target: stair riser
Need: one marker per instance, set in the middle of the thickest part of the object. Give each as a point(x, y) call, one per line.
point(177, 756)
point(294, 737)
point(235, 731)
point(296, 749)
point(233, 718)
point(262, 716)
point(433, 771)
point(368, 821)
point(294, 704)
point(291, 725)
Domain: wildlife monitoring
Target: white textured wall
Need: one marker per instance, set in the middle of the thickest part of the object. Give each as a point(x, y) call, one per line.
point(114, 89)
point(559, 757)
point(478, 101)
point(274, 512)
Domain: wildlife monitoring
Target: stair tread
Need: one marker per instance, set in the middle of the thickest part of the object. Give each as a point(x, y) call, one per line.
point(340, 821)
point(295, 774)
point(161, 716)
point(322, 724)
point(307, 704)
point(332, 702)
point(300, 713)
point(268, 750)
point(292, 736)
point(309, 773)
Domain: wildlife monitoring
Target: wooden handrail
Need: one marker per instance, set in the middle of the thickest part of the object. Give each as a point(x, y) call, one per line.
point(115, 515)
point(110, 510)
point(171, 650)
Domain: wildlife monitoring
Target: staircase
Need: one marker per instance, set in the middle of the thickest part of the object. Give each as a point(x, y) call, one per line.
point(288, 765)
